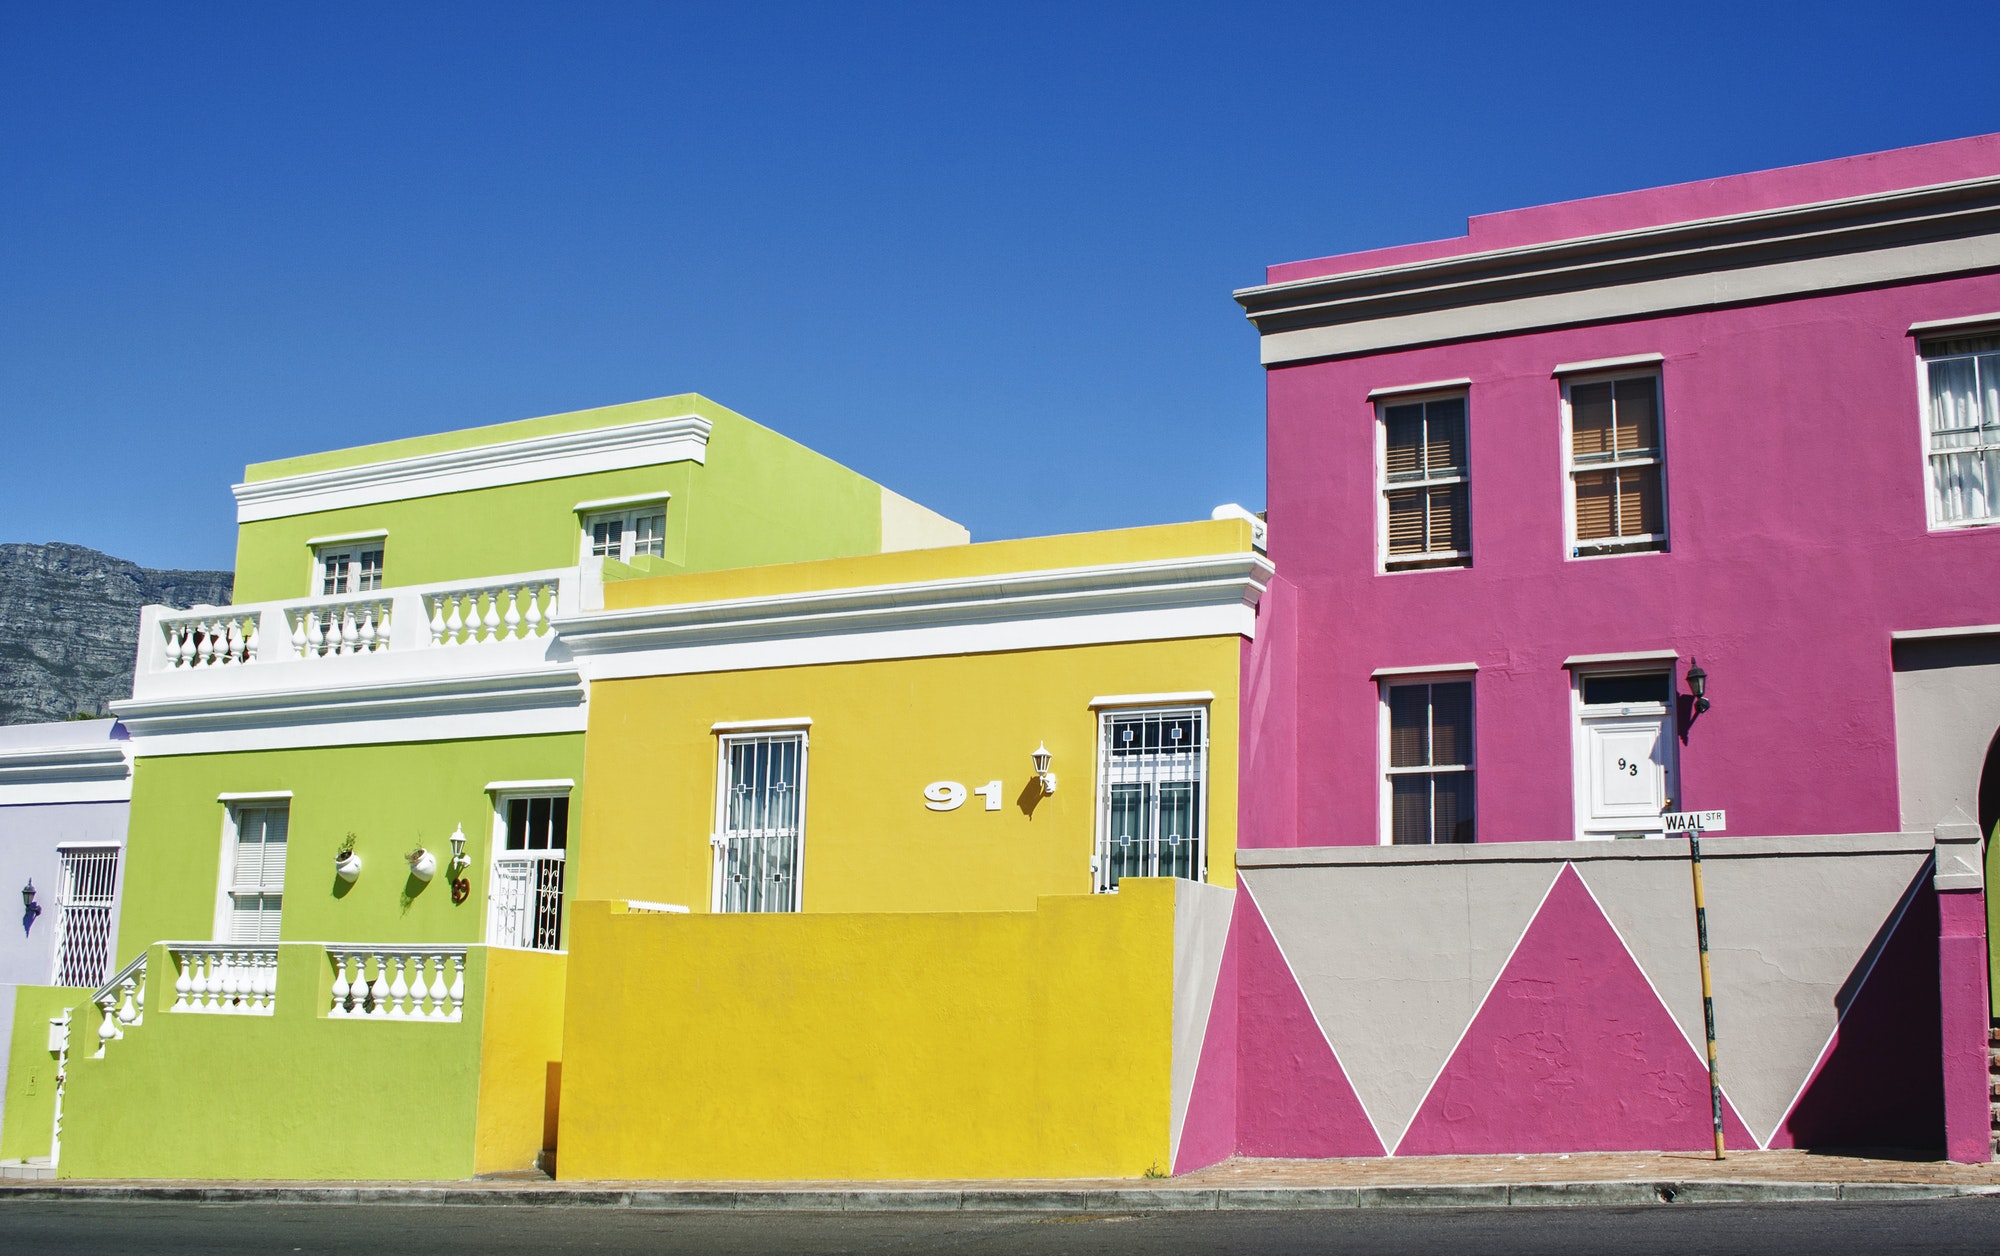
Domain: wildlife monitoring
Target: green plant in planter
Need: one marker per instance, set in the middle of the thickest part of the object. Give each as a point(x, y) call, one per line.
point(346, 849)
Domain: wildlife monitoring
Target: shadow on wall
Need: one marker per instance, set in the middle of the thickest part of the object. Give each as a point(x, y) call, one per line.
point(1881, 1085)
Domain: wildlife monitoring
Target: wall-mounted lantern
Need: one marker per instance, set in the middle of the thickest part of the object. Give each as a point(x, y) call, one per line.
point(29, 907)
point(1698, 685)
point(1042, 759)
point(459, 863)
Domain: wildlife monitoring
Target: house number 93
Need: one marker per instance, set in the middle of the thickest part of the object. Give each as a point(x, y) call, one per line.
point(950, 795)
point(1629, 769)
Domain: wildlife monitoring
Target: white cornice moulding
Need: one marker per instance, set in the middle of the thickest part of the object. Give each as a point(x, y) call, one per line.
point(1607, 364)
point(1878, 238)
point(267, 795)
point(450, 708)
point(759, 726)
point(1159, 599)
point(61, 774)
point(1441, 669)
point(612, 503)
point(374, 534)
point(1192, 697)
point(1407, 390)
point(682, 438)
point(1939, 634)
point(1955, 324)
point(1629, 656)
point(525, 787)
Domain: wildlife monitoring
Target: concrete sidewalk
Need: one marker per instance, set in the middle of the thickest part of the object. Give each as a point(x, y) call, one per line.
point(1618, 1178)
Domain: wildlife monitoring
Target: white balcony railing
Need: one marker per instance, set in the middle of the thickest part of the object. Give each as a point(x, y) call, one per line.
point(224, 977)
point(121, 1003)
point(419, 983)
point(468, 613)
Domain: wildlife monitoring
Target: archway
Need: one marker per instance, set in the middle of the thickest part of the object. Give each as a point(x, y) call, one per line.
point(1989, 789)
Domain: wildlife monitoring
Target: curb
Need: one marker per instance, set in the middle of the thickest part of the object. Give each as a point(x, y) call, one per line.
point(1118, 1200)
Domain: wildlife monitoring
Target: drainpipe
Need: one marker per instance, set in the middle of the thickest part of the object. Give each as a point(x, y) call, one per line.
point(1968, 1111)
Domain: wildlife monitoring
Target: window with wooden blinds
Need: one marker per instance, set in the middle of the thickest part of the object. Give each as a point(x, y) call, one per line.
point(1425, 521)
point(256, 885)
point(1617, 467)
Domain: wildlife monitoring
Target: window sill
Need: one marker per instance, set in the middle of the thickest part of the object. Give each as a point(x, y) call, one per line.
point(1616, 549)
point(1430, 562)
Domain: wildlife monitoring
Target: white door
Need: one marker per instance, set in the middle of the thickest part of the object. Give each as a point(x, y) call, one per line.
point(1625, 762)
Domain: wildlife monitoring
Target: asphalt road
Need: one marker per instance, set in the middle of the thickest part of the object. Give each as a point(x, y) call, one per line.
point(113, 1229)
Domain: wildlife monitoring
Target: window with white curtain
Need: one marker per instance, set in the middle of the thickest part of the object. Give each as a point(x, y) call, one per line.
point(1425, 516)
point(254, 882)
point(1962, 436)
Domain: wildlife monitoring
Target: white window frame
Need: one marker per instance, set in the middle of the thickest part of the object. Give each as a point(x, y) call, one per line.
point(1933, 503)
point(736, 733)
point(626, 512)
point(234, 805)
point(66, 855)
point(1399, 678)
point(1642, 543)
point(1107, 715)
point(503, 793)
point(352, 549)
point(1580, 766)
point(1434, 559)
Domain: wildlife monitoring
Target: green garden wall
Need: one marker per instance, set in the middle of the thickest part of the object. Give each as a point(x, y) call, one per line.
point(293, 1095)
point(392, 797)
point(31, 1069)
point(759, 498)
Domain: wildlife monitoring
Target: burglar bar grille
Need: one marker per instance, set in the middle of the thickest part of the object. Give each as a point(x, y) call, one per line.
point(1153, 809)
point(760, 822)
point(83, 915)
point(527, 901)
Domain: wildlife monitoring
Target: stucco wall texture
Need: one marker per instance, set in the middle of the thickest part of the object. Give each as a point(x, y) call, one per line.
point(1796, 508)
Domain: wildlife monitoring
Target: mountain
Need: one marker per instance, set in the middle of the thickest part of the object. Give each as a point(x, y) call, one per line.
point(69, 625)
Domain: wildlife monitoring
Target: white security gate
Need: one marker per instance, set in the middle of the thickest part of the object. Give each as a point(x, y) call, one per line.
point(83, 915)
point(760, 814)
point(531, 839)
point(525, 908)
point(1153, 810)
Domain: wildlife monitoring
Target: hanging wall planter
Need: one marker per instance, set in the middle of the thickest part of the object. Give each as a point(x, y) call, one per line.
point(347, 864)
point(423, 864)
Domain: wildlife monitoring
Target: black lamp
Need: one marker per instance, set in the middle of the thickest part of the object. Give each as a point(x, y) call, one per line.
point(29, 907)
point(1698, 685)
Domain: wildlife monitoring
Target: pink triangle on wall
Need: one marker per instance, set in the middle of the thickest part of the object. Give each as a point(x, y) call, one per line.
point(1292, 1096)
point(1571, 1051)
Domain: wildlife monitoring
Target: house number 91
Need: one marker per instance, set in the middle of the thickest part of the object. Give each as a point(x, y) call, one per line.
point(950, 795)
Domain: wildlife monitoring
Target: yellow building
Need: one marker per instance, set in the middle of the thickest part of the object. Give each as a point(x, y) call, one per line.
point(847, 908)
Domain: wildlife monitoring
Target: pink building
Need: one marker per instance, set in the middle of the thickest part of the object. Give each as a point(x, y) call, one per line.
point(1671, 500)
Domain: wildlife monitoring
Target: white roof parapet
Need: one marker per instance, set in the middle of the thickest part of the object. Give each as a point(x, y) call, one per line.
point(1150, 600)
point(681, 438)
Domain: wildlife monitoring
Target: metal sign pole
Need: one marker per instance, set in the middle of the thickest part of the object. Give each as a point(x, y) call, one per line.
point(1707, 988)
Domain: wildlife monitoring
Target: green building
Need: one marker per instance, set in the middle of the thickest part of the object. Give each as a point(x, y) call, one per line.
point(355, 792)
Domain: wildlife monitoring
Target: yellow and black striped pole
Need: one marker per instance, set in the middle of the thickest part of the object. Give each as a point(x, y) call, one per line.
point(1707, 987)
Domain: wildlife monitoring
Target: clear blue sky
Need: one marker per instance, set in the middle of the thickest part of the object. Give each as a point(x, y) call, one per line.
point(982, 253)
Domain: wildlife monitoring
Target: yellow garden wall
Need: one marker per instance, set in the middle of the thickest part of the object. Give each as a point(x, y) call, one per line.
point(523, 1038)
point(819, 1046)
point(881, 731)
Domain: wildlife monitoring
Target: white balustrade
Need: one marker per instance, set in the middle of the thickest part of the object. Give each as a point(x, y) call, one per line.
point(512, 610)
point(239, 980)
point(416, 983)
point(520, 609)
point(211, 639)
point(121, 1003)
point(348, 626)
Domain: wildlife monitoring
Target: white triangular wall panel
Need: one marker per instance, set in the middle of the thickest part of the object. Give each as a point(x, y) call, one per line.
point(1789, 940)
point(1395, 960)
point(1201, 931)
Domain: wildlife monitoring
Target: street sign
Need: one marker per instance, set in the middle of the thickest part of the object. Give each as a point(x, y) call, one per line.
point(1695, 821)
